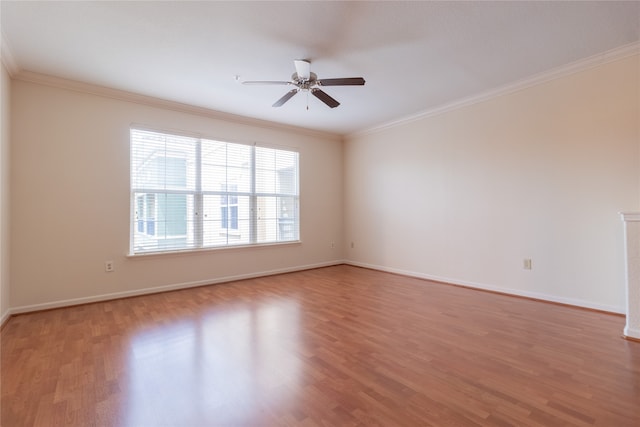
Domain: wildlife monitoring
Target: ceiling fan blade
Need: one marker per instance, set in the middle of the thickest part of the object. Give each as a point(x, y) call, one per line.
point(348, 81)
point(287, 96)
point(324, 97)
point(303, 68)
point(265, 82)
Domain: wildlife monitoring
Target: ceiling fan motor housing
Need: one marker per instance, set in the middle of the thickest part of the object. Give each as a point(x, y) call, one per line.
point(305, 84)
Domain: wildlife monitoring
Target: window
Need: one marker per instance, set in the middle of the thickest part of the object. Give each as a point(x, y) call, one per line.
point(193, 193)
point(229, 210)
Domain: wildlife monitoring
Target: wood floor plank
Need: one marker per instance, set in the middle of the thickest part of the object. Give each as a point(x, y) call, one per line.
point(337, 346)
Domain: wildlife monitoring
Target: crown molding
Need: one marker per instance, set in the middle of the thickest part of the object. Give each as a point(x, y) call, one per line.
point(572, 68)
point(121, 95)
point(7, 57)
point(556, 73)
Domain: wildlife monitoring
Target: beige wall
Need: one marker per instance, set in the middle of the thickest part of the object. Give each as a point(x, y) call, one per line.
point(70, 200)
point(5, 96)
point(463, 197)
point(542, 173)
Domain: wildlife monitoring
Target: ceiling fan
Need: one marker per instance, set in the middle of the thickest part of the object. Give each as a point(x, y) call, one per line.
point(303, 79)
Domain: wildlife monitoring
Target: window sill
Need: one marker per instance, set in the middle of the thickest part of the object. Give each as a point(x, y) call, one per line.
point(212, 249)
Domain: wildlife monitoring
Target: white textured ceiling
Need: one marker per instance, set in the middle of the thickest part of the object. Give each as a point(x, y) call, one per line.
point(415, 56)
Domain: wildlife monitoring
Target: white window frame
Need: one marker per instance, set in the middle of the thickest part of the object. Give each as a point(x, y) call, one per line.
point(198, 194)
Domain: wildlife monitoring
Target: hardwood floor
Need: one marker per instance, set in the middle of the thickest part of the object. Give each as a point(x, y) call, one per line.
point(337, 346)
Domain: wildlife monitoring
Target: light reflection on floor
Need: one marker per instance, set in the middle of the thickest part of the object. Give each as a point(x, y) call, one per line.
point(239, 357)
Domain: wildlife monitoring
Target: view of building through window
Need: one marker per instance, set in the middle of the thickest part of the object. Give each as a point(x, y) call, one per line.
point(192, 193)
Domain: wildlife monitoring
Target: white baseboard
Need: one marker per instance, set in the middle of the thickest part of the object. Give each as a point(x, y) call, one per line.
point(5, 316)
point(213, 281)
point(631, 332)
point(497, 289)
point(158, 289)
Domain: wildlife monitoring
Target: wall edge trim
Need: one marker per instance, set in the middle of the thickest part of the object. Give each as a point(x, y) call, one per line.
point(492, 288)
point(632, 333)
point(5, 318)
point(150, 101)
point(531, 81)
point(164, 288)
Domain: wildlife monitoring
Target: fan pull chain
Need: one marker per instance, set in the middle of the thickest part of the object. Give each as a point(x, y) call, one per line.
point(307, 100)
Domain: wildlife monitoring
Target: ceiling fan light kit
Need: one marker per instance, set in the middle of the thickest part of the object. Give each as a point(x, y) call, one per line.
point(303, 79)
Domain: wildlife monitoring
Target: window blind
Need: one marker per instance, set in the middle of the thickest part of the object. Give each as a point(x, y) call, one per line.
point(192, 193)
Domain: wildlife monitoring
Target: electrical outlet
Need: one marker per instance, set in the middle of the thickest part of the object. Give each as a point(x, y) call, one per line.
point(352, 245)
point(108, 266)
point(526, 264)
point(333, 245)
